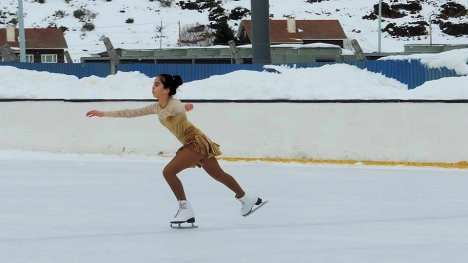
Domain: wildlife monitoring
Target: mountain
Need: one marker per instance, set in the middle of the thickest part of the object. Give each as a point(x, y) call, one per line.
point(152, 24)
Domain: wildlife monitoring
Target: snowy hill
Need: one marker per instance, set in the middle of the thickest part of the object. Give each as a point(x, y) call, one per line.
point(155, 24)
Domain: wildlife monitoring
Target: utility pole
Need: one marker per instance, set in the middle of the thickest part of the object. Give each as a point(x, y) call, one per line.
point(430, 29)
point(160, 36)
point(358, 50)
point(178, 41)
point(7, 54)
point(235, 52)
point(380, 26)
point(68, 57)
point(261, 51)
point(22, 35)
point(113, 56)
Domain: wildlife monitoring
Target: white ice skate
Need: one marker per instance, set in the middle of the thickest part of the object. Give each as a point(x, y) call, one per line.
point(250, 204)
point(185, 214)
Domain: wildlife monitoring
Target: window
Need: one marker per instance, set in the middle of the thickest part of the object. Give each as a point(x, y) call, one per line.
point(29, 58)
point(49, 58)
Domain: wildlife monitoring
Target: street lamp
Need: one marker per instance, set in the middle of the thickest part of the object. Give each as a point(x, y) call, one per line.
point(430, 29)
point(261, 53)
point(22, 38)
point(380, 26)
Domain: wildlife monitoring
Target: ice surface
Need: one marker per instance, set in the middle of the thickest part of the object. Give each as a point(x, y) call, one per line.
point(96, 208)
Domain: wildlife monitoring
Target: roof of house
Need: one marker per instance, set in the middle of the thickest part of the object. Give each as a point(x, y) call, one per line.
point(106, 54)
point(38, 38)
point(305, 29)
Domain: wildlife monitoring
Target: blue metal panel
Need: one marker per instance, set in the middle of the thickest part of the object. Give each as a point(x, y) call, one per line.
point(398, 70)
point(189, 72)
point(438, 73)
point(79, 70)
point(409, 72)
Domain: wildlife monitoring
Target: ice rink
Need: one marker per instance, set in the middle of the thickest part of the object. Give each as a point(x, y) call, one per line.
point(94, 208)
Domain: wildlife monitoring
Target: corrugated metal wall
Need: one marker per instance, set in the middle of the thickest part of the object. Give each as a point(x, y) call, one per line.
point(80, 70)
point(410, 72)
point(189, 72)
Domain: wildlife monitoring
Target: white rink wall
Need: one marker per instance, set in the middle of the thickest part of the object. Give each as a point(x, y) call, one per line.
point(388, 132)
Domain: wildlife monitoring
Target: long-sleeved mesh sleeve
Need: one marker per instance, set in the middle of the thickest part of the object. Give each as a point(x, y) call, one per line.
point(131, 113)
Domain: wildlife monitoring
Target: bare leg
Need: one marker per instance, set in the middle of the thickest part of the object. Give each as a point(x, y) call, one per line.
point(186, 158)
point(211, 166)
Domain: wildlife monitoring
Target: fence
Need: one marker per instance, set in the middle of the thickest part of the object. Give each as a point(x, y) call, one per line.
point(80, 70)
point(409, 72)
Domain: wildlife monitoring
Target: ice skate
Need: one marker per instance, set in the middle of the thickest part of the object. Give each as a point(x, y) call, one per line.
point(250, 204)
point(184, 215)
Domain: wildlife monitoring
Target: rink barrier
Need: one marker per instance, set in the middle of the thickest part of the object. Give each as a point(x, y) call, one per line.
point(457, 165)
point(250, 100)
point(419, 133)
point(410, 72)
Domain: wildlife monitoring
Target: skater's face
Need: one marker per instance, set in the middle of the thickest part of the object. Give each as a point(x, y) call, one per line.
point(158, 89)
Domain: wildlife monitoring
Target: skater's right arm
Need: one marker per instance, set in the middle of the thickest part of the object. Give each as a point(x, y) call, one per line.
point(128, 113)
point(188, 107)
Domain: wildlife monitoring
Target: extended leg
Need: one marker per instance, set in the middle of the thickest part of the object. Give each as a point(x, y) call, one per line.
point(250, 202)
point(211, 166)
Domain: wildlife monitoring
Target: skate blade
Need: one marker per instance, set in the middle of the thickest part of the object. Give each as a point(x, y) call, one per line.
point(256, 208)
point(181, 226)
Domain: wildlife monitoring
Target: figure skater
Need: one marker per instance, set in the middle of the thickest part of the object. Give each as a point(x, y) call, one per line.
point(197, 149)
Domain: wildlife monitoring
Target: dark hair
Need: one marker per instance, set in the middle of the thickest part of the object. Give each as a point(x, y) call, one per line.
point(171, 81)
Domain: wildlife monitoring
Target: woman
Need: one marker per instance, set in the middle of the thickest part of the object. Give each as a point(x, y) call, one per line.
point(197, 150)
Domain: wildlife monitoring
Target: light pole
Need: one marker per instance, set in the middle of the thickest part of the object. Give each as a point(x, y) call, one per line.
point(380, 26)
point(22, 37)
point(261, 53)
point(430, 29)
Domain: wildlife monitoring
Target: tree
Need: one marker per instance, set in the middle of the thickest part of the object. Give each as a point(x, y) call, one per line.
point(195, 35)
point(223, 33)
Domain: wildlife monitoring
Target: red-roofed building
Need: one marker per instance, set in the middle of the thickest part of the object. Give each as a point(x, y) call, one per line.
point(294, 31)
point(43, 45)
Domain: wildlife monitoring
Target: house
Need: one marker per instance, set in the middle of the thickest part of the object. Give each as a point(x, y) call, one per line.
point(294, 31)
point(43, 45)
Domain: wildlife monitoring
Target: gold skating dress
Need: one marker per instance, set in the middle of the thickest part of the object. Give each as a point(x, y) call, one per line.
point(174, 118)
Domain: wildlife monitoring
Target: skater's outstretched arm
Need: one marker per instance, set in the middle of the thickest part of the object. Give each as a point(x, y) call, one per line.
point(93, 113)
point(129, 113)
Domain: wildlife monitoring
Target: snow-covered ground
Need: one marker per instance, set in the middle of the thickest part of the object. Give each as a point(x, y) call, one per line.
point(155, 26)
point(96, 208)
point(292, 83)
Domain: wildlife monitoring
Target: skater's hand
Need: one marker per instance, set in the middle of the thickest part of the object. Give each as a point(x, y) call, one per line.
point(95, 113)
point(188, 107)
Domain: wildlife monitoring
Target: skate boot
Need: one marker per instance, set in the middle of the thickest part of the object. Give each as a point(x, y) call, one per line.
point(250, 203)
point(185, 214)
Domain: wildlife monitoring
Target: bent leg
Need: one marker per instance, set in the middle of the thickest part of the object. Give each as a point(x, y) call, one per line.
point(211, 166)
point(184, 159)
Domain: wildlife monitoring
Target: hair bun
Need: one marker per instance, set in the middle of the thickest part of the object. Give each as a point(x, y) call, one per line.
point(171, 82)
point(178, 80)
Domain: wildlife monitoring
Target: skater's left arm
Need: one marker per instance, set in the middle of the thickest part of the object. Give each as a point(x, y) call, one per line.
point(132, 113)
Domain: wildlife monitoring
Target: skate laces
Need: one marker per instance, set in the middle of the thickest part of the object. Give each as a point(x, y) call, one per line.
point(183, 205)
